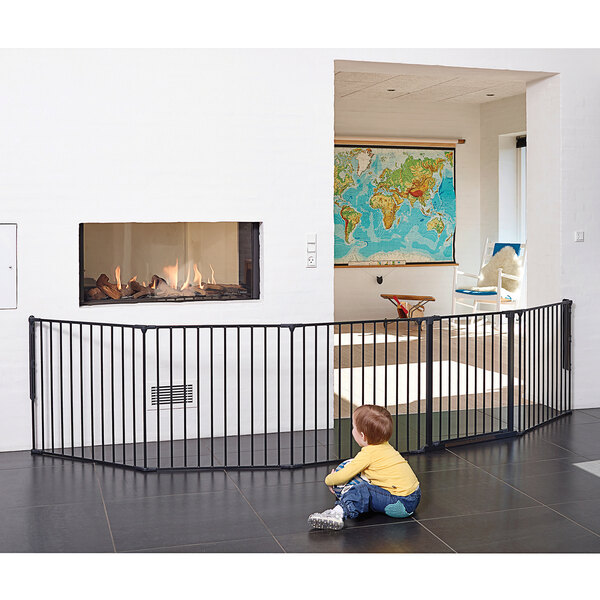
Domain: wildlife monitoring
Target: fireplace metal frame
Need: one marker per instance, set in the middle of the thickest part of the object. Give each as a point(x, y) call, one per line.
point(255, 282)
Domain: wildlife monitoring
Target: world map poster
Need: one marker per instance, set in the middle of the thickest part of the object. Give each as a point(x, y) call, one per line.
point(394, 205)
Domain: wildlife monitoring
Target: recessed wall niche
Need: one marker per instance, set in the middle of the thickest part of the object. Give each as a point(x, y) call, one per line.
point(168, 262)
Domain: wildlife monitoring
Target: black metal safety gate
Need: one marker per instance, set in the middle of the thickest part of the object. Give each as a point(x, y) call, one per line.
point(275, 396)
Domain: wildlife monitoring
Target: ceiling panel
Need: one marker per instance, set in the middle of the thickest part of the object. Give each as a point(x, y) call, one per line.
point(401, 86)
point(361, 77)
point(500, 90)
point(363, 87)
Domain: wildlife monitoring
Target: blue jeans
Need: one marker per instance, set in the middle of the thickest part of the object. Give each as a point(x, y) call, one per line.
point(363, 497)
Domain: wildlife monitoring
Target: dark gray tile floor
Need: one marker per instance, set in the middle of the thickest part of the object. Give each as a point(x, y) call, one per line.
point(513, 495)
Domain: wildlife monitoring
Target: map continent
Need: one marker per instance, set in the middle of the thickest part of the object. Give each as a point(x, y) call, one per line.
point(394, 205)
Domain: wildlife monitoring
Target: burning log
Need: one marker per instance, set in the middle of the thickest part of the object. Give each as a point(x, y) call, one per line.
point(216, 287)
point(96, 294)
point(233, 288)
point(164, 290)
point(156, 280)
point(161, 288)
point(139, 290)
point(110, 289)
point(102, 280)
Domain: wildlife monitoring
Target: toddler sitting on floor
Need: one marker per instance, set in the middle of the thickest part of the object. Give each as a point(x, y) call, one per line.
point(377, 478)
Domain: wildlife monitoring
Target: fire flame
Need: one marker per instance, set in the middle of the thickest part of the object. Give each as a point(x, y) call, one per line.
point(187, 281)
point(172, 271)
point(198, 277)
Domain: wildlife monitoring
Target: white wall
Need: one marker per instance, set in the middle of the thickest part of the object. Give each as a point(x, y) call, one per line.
point(356, 289)
point(93, 135)
point(161, 135)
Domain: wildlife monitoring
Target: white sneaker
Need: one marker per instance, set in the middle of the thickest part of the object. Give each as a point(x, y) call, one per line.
point(332, 518)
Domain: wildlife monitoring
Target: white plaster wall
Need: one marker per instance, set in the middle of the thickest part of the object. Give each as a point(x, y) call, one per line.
point(544, 177)
point(357, 293)
point(161, 135)
point(104, 135)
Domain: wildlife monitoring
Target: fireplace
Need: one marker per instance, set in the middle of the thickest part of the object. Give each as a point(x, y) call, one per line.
point(168, 262)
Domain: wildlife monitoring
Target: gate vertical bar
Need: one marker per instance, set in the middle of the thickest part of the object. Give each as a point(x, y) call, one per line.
point(133, 393)
point(327, 396)
point(92, 387)
point(292, 395)
point(101, 388)
point(32, 379)
point(158, 397)
point(428, 381)
point(185, 411)
point(51, 361)
point(569, 324)
point(198, 393)
point(520, 424)
point(511, 370)
point(315, 424)
point(71, 390)
point(61, 388)
point(144, 399)
point(239, 398)
point(251, 400)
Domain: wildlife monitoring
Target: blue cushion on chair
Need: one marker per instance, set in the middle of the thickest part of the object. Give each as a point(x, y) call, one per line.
point(476, 292)
point(481, 293)
point(499, 246)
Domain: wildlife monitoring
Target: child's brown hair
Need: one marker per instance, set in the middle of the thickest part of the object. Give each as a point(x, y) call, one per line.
point(375, 422)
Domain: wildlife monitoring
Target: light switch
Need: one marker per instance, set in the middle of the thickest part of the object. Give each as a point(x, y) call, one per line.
point(579, 235)
point(311, 250)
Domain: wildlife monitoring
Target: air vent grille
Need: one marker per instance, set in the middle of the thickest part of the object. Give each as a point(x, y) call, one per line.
point(163, 395)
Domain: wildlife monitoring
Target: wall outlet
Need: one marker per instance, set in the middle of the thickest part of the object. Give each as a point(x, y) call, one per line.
point(311, 259)
point(579, 235)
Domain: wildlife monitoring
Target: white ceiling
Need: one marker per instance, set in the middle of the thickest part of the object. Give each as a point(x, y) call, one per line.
point(358, 84)
point(399, 88)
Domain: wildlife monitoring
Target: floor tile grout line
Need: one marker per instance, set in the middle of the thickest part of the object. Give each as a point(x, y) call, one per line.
point(591, 415)
point(254, 511)
point(212, 543)
point(567, 450)
point(538, 501)
point(572, 521)
point(112, 539)
point(485, 512)
point(437, 536)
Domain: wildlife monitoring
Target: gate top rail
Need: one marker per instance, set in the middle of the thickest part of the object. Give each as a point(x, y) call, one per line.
point(33, 319)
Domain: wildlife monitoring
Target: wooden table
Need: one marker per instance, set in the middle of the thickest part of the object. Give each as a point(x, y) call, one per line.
point(397, 301)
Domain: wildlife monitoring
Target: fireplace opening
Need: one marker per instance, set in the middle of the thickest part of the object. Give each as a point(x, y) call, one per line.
point(158, 262)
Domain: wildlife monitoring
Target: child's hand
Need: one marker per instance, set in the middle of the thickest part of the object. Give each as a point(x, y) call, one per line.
point(330, 487)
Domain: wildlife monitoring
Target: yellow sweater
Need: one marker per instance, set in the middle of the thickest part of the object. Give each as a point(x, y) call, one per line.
point(383, 466)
